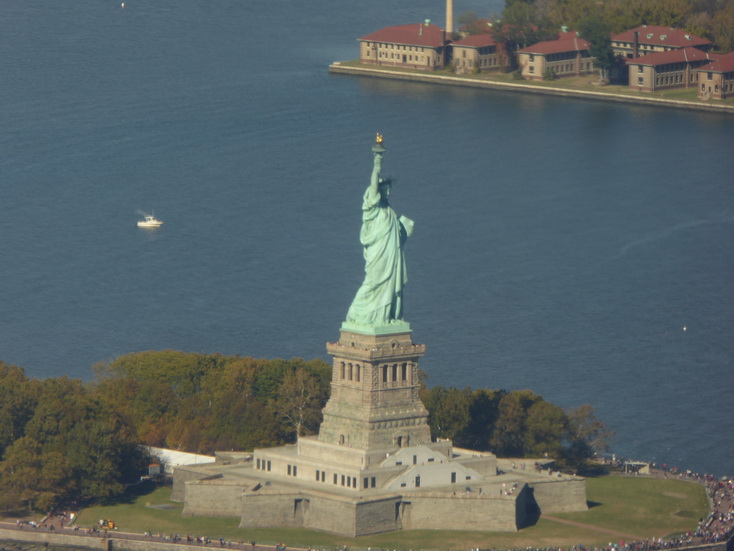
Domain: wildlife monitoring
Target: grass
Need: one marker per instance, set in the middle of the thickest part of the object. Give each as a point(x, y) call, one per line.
point(643, 507)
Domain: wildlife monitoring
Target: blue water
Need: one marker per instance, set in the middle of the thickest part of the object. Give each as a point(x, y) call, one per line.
point(579, 249)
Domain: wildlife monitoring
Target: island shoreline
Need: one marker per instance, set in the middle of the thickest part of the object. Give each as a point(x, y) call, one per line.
point(338, 68)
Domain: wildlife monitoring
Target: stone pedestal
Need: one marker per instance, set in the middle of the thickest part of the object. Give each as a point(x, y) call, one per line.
point(374, 400)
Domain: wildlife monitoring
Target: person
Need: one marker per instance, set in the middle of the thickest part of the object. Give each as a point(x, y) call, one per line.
point(379, 300)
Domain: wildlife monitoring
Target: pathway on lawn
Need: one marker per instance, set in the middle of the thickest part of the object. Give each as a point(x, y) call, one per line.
point(594, 528)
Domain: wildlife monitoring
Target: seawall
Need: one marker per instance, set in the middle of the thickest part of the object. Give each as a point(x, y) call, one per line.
point(41, 540)
point(36, 539)
point(446, 80)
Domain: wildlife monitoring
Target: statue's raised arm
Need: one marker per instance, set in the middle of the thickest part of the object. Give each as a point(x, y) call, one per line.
point(379, 300)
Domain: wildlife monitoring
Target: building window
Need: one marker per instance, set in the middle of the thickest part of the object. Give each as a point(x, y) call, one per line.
point(373, 482)
point(269, 465)
point(531, 57)
point(366, 482)
point(453, 478)
point(639, 68)
point(289, 470)
point(532, 70)
point(336, 478)
point(359, 369)
point(640, 81)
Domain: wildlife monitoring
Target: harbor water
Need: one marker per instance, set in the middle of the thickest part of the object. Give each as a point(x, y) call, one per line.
point(576, 248)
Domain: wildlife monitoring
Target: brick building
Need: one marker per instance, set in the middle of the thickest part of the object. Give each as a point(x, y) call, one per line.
point(478, 53)
point(566, 56)
point(648, 39)
point(716, 79)
point(665, 70)
point(417, 45)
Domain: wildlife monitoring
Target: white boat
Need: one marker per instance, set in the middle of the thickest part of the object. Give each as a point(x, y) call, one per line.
point(149, 221)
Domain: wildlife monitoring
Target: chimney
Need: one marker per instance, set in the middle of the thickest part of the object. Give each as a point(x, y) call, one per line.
point(449, 17)
point(636, 45)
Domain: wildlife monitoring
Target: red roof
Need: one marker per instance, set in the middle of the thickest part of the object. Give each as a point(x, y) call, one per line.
point(685, 55)
point(720, 64)
point(476, 41)
point(661, 36)
point(574, 44)
point(415, 34)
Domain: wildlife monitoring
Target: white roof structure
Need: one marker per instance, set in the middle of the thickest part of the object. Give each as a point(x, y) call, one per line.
point(173, 458)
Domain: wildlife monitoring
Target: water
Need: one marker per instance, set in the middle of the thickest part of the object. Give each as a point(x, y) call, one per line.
point(579, 249)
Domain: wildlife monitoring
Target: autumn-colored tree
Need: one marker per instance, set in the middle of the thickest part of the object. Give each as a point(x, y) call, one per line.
point(588, 436)
point(17, 402)
point(300, 399)
point(723, 28)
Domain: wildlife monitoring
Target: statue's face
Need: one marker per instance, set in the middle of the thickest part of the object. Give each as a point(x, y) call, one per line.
point(385, 190)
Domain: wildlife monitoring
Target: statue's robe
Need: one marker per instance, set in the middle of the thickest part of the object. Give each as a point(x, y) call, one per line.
point(380, 298)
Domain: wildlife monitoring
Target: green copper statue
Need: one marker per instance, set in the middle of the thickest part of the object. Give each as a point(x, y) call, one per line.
point(379, 301)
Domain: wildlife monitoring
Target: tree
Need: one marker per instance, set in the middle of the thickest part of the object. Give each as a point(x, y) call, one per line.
point(723, 28)
point(34, 476)
point(20, 471)
point(448, 412)
point(101, 453)
point(300, 400)
point(598, 34)
point(521, 26)
point(546, 428)
point(508, 434)
point(180, 370)
point(588, 435)
point(17, 402)
point(483, 412)
point(567, 13)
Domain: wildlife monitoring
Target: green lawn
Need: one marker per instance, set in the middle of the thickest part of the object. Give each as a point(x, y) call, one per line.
point(641, 506)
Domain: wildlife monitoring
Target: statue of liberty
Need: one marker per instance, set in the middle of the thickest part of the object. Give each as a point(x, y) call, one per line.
point(379, 301)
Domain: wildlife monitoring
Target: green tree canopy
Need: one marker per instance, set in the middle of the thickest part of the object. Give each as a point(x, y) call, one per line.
point(598, 33)
point(67, 445)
